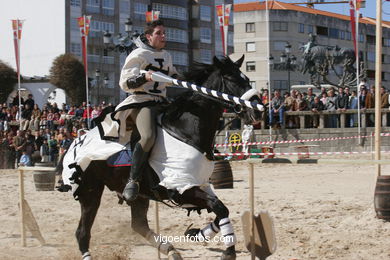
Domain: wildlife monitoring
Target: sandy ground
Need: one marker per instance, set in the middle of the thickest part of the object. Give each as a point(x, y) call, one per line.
point(319, 212)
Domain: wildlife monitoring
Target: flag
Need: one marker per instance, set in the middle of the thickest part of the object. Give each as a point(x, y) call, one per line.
point(220, 10)
point(84, 24)
point(152, 16)
point(17, 32)
point(226, 17)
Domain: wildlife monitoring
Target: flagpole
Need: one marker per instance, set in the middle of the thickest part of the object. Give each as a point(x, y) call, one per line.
point(378, 83)
point(357, 67)
point(18, 61)
point(269, 67)
point(86, 71)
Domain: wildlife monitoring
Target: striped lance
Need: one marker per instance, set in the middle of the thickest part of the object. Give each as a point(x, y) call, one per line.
point(160, 77)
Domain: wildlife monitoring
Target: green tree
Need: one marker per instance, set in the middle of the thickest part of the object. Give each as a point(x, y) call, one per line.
point(67, 73)
point(8, 79)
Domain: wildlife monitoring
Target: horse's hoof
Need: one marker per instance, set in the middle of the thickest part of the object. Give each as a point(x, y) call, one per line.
point(87, 256)
point(228, 256)
point(174, 255)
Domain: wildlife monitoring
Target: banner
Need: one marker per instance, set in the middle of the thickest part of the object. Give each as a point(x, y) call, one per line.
point(17, 32)
point(220, 16)
point(353, 23)
point(152, 16)
point(84, 24)
point(226, 17)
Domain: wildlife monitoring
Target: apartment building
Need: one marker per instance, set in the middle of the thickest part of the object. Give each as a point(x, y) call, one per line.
point(291, 24)
point(191, 27)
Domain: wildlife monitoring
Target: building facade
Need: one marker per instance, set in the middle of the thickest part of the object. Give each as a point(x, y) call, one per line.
point(192, 33)
point(292, 24)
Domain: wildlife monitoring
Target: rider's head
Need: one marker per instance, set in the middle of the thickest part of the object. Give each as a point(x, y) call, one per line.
point(155, 33)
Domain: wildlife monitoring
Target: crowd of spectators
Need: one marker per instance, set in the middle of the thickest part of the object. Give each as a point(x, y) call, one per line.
point(42, 134)
point(327, 100)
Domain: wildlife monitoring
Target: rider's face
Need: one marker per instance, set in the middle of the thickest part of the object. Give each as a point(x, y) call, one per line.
point(157, 38)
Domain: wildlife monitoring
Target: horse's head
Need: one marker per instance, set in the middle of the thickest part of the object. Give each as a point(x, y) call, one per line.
point(235, 83)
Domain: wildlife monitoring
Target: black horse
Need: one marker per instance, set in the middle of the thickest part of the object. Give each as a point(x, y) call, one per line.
point(194, 119)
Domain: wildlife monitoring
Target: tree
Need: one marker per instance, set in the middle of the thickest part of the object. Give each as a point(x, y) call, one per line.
point(8, 79)
point(67, 73)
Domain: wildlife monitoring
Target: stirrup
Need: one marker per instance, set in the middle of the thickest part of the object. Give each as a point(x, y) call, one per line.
point(130, 192)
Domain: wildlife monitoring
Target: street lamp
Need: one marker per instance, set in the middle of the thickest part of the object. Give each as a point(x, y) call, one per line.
point(97, 76)
point(287, 63)
point(121, 43)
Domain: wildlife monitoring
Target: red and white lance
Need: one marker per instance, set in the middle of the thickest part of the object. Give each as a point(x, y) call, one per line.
point(84, 24)
point(17, 32)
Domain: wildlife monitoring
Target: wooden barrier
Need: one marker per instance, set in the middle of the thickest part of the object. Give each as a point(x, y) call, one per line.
point(26, 214)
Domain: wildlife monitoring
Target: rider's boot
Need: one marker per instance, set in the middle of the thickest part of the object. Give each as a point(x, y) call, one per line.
point(139, 159)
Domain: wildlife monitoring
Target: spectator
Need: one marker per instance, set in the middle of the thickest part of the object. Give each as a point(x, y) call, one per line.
point(26, 117)
point(330, 105)
point(44, 151)
point(30, 101)
point(19, 142)
point(15, 101)
point(290, 105)
point(316, 107)
point(25, 159)
point(370, 98)
point(342, 100)
point(35, 118)
point(384, 98)
point(53, 149)
point(353, 104)
point(310, 96)
point(50, 119)
point(277, 108)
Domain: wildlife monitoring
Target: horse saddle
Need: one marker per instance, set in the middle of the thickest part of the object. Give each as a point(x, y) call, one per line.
point(120, 159)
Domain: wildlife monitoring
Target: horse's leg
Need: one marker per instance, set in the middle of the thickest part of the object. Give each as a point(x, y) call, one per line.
point(89, 201)
point(221, 223)
point(139, 223)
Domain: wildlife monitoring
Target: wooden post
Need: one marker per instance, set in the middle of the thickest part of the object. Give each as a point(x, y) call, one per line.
point(21, 205)
point(157, 218)
point(252, 207)
point(322, 121)
point(302, 121)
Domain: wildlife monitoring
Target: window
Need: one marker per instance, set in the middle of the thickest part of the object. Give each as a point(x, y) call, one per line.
point(322, 30)
point(280, 26)
point(75, 2)
point(140, 8)
point(205, 35)
point(108, 7)
point(301, 28)
point(171, 11)
point(250, 46)
point(342, 34)
point(250, 27)
point(124, 7)
point(179, 58)
point(280, 84)
point(93, 6)
point(348, 36)
point(279, 45)
point(250, 66)
point(74, 24)
point(205, 13)
point(386, 42)
point(371, 39)
point(333, 33)
point(253, 84)
point(205, 56)
point(230, 39)
point(361, 37)
point(310, 28)
point(371, 56)
point(75, 48)
point(176, 35)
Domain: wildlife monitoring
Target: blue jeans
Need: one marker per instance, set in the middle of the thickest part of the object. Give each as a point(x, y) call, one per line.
point(281, 115)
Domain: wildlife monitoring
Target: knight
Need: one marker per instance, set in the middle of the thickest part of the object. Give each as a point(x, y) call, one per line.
point(145, 96)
